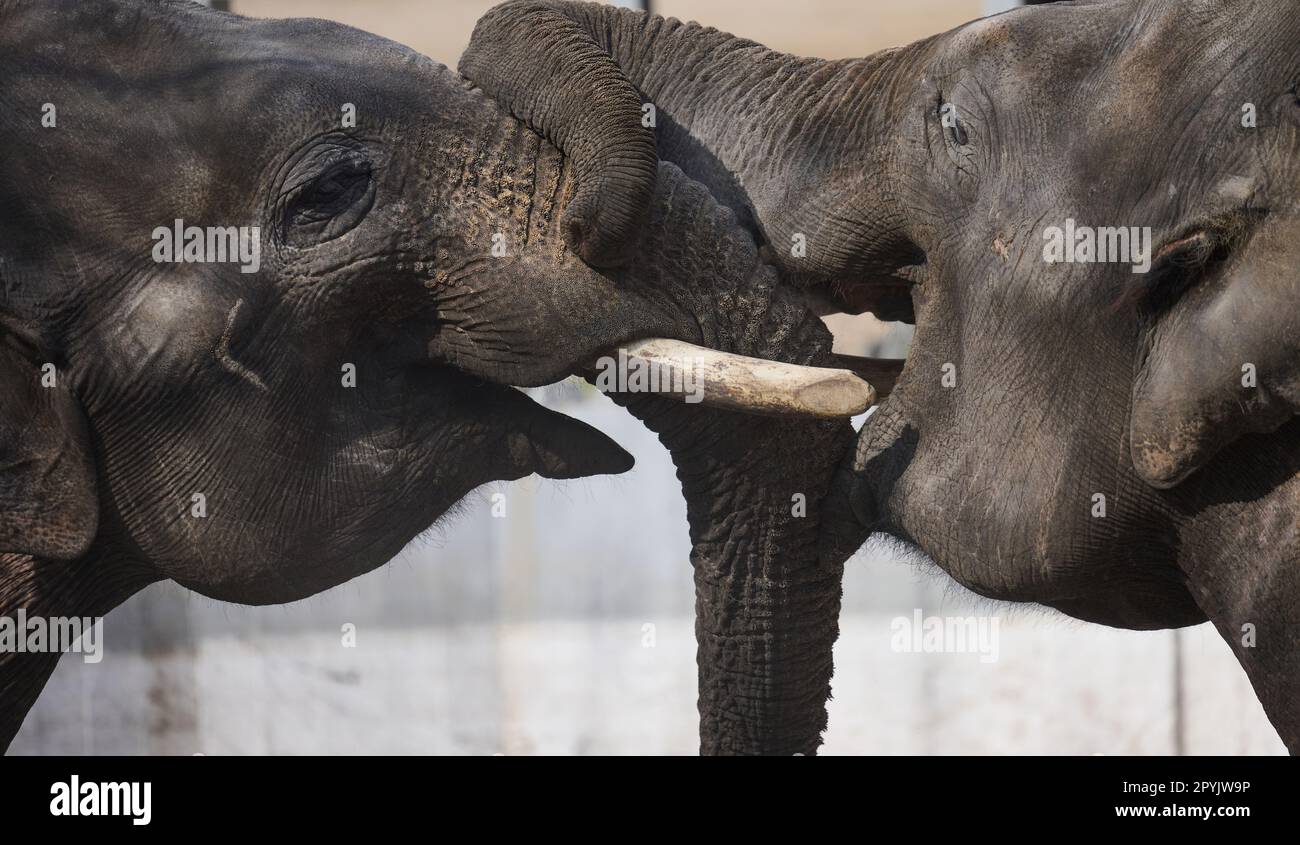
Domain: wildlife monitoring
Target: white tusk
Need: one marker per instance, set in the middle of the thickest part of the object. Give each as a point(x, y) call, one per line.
point(723, 380)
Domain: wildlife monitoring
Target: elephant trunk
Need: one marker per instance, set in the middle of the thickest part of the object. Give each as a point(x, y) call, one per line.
point(597, 124)
point(803, 146)
point(753, 484)
point(767, 587)
point(767, 595)
point(767, 617)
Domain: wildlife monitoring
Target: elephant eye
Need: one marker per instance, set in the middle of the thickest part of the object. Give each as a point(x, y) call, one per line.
point(956, 131)
point(1196, 257)
point(951, 123)
point(329, 204)
point(1179, 268)
point(334, 188)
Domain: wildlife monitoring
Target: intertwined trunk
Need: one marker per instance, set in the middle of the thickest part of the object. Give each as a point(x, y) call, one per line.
point(805, 145)
point(767, 594)
point(767, 605)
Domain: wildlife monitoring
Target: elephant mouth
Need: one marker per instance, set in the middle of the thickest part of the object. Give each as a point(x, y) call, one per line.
point(560, 447)
point(888, 300)
point(554, 445)
point(526, 437)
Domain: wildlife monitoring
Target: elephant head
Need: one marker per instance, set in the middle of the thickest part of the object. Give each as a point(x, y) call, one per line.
point(1089, 210)
point(266, 285)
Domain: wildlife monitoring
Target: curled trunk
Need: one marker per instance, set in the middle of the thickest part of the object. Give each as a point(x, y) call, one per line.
point(602, 132)
point(803, 146)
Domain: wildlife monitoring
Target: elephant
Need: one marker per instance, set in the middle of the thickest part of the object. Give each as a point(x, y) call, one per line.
point(1112, 439)
point(269, 287)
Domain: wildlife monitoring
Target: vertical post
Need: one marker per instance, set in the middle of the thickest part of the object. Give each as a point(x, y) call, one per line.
point(639, 5)
point(1180, 697)
point(993, 7)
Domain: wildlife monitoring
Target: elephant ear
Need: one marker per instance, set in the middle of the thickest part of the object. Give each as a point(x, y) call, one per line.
point(1224, 361)
point(581, 101)
point(48, 502)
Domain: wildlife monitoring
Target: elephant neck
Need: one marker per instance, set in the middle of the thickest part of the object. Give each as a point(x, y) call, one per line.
point(39, 599)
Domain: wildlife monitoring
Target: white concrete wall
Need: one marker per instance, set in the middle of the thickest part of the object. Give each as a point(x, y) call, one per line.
point(527, 635)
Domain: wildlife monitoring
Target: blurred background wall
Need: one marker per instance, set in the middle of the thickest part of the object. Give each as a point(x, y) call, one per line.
point(565, 625)
point(831, 29)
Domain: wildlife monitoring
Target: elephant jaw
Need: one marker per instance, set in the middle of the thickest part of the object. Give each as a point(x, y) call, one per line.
point(542, 441)
point(557, 446)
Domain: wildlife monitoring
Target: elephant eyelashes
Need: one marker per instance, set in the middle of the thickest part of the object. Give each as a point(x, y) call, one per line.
point(330, 204)
point(1179, 267)
point(1194, 258)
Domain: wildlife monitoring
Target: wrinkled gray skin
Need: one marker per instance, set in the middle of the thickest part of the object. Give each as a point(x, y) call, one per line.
point(182, 379)
point(1072, 379)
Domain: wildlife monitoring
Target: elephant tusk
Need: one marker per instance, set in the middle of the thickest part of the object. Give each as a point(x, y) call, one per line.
point(881, 373)
point(735, 382)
